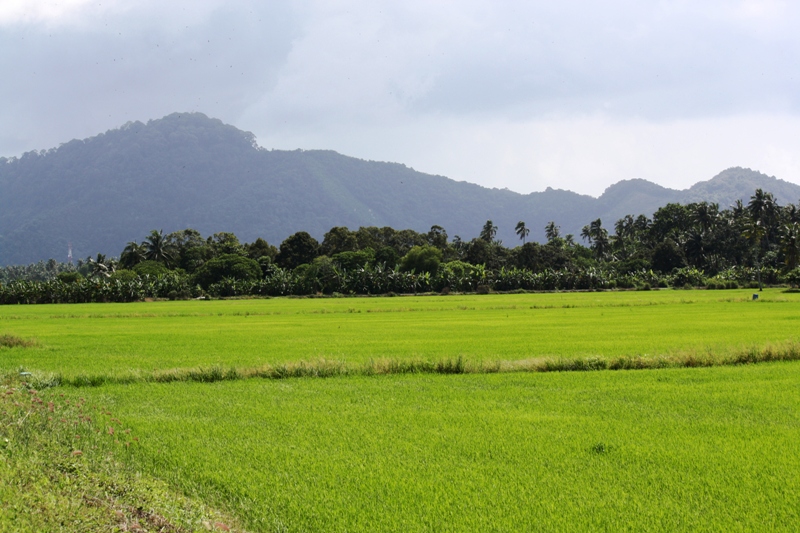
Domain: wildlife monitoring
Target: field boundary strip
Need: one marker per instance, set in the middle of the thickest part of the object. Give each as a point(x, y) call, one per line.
point(323, 368)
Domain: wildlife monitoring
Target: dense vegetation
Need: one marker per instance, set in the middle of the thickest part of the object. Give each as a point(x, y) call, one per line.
point(697, 244)
point(187, 170)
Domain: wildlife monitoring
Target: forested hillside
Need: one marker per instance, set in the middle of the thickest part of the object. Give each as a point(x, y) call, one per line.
point(190, 171)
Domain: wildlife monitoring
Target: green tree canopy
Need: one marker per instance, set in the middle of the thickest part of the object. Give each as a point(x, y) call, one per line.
point(227, 266)
point(420, 259)
point(338, 239)
point(298, 249)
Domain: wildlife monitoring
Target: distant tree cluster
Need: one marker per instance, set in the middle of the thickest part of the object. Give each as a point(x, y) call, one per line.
point(697, 244)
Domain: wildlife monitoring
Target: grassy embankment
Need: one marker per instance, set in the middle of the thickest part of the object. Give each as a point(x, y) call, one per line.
point(676, 449)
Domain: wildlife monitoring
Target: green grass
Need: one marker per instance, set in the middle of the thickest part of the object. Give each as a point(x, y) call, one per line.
point(60, 472)
point(107, 340)
point(415, 449)
point(667, 450)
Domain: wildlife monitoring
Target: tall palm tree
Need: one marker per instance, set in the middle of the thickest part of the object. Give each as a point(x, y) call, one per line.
point(764, 210)
point(489, 231)
point(522, 231)
point(597, 237)
point(156, 248)
point(551, 231)
point(790, 245)
point(132, 255)
point(705, 214)
point(759, 204)
point(624, 230)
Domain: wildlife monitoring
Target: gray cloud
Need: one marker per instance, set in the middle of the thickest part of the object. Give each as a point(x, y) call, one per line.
point(78, 79)
point(518, 94)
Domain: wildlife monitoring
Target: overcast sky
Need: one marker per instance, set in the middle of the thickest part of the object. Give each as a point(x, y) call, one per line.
point(523, 95)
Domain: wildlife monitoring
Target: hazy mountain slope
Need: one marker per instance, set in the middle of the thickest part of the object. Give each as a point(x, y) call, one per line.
point(636, 196)
point(739, 183)
point(187, 170)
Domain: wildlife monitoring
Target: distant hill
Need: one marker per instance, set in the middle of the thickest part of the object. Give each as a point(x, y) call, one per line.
point(188, 170)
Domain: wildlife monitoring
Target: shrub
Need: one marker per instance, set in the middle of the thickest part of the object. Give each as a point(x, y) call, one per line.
point(123, 276)
point(688, 276)
point(227, 266)
point(69, 277)
point(150, 268)
point(421, 259)
point(354, 260)
point(793, 277)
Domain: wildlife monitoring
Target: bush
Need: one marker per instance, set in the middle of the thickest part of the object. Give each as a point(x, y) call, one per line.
point(150, 268)
point(688, 276)
point(793, 277)
point(123, 276)
point(227, 266)
point(354, 260)
point(421, 259)
point(69, 277)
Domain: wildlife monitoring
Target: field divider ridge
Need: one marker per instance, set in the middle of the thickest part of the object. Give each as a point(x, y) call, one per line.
point(324, 368)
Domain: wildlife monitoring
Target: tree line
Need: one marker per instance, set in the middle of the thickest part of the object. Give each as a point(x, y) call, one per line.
point(696, 244)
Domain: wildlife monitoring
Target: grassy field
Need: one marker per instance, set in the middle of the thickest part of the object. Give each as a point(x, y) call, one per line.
point(666, 450)
point(671, 449)
point(117, 339)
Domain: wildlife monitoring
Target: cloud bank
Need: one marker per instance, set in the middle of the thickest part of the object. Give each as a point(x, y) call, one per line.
point(522, 95)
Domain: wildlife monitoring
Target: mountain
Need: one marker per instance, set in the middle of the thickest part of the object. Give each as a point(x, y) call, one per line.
point(188, 170)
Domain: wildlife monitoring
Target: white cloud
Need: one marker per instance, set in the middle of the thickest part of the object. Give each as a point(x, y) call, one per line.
point(37, 11)
point(585, 154)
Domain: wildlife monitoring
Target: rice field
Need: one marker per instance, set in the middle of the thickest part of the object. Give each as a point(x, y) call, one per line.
point(120, 339)
point(674, 449)
point(665, 450)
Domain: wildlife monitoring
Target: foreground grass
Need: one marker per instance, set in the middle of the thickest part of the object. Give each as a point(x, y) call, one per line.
point(59, 471)
point(95, 343)
point(674, 449)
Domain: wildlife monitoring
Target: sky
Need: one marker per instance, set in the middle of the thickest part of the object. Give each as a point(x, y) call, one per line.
point(522, 95)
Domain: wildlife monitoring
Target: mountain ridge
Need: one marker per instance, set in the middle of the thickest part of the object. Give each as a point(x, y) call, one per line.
point(189, 170)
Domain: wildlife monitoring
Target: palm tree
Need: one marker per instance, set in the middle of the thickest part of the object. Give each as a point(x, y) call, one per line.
point(764, 210)
point(133, 254)
point(488, 232)
point(597, 237)
point(586, 234)
point(156, 248)
point(790, 235)
point(101, 267)
point(551, 231)
point(623, 232)
point(705, 215)
point(755, 232)
point(522, 231)
point(760, 203)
